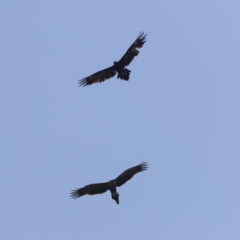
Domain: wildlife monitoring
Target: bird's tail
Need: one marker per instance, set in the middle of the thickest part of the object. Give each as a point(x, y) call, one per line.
point(124, 74)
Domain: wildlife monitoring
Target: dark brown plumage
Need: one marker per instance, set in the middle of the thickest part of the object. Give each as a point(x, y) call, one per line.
point(99, 188)
point(118, 67)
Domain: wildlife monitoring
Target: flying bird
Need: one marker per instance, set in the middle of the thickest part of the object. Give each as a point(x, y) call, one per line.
point(98, 188)
point(117, 67)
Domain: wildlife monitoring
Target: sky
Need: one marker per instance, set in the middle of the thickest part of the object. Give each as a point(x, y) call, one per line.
point(179, 112)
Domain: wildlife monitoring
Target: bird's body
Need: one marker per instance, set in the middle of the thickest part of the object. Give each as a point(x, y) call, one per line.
point(117, 67)
point(98, 188)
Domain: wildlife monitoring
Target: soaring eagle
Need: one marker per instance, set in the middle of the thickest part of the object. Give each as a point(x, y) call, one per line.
point(119, 67)
point(98, 188)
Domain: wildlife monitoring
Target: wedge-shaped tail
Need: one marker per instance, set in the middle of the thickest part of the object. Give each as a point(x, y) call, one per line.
point(124, 74)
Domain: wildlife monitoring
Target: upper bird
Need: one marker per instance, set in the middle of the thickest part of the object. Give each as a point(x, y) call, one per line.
point(98, 188)
point(119, 67)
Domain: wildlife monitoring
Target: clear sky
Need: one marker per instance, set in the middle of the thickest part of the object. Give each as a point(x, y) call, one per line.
point(180, 112)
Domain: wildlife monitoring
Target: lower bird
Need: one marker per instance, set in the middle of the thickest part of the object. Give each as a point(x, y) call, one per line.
point(98, 188)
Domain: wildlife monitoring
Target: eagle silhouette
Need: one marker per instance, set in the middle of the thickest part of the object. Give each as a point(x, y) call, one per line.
point(98, 188)
point(118, 67)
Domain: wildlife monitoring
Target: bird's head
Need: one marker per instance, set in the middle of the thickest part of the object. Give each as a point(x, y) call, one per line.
point(115, 196)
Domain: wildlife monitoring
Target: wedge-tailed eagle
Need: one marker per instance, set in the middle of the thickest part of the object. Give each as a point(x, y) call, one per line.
point(118, 67)
point(98, 188)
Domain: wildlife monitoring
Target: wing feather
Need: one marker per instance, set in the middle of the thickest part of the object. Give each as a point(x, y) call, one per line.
point(132, 51)
point(129, 173)
point(96, 188)
point(98, 77)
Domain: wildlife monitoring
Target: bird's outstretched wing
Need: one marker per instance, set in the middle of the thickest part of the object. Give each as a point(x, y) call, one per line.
point(98, 77)
point(132, 51)
point(96, 188)
point(129, 173)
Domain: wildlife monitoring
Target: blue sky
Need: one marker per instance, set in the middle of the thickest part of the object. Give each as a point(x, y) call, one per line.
point(179, 112)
